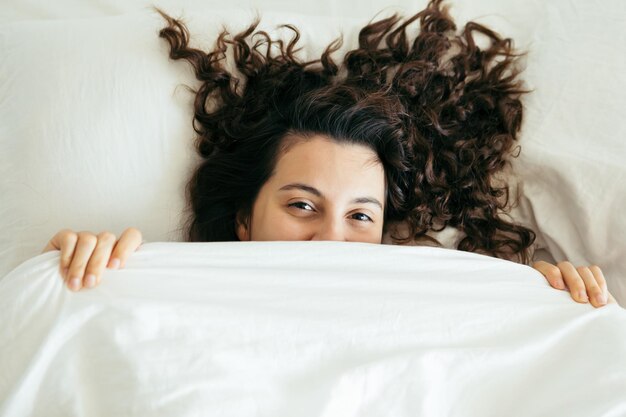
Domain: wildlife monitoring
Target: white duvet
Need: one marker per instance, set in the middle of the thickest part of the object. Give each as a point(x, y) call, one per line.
point(306, 329)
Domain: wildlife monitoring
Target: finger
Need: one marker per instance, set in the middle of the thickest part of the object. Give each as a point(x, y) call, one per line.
point(599, 276)
point(66, 242)
point(128, 243)
point(55, 242)
point(574, 282)
point(552, 274)
point(84, 248)
point(593, 290)
point(99, 259)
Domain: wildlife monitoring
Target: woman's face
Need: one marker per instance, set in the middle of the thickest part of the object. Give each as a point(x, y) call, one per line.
point(321, 190)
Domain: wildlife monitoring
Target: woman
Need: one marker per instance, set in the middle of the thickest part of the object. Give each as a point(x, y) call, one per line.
point(413, 134)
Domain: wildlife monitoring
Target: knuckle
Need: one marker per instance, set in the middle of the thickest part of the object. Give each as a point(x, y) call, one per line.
point(553, 271)
point(563, 264)
point(595, 268)
point(67, 236)
point(107, 237)
point(87, 237)
point(134, 231)
point(539, 265)
point(582, 269)
point(66, 232)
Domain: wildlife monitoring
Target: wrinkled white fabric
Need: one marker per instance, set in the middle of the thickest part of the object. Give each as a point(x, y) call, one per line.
point(306, 329)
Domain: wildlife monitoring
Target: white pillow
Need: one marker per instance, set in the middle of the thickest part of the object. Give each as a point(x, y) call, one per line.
point(96, 125)
point(96, 133)
point(93, 136)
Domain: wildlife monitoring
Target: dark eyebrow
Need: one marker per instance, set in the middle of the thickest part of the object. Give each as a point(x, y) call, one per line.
point(316, 192)
point(363, 200)
point(303, 187)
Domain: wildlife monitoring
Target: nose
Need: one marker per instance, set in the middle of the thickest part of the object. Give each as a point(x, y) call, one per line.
point(330, 229)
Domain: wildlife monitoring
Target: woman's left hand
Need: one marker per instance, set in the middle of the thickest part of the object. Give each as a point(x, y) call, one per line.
point(585, 283)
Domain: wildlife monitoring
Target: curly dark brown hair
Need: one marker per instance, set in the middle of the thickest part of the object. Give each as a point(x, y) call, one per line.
point(441, 113)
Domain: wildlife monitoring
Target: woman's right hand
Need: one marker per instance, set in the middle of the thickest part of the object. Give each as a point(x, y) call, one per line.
point(85, 255)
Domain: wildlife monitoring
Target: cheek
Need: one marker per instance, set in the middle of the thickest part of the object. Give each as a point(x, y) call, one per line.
point(375, 235)
point(272, 223)
point(368, 235)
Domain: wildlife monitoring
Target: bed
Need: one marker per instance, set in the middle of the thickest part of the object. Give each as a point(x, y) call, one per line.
point(96, 134)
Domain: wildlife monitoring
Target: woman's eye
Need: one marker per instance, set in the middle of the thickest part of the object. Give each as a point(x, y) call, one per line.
point(364, 217)
point(301, 203)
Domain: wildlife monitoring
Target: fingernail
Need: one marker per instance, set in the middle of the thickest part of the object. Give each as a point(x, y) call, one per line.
point(560, 285)
point(90, 281)
point(583, 296)
point(65, 272)
point(115, 263)
point(75, 283)
point(600, 299)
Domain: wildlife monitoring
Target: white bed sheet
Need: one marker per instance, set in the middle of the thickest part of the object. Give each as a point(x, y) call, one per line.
point(306, 329)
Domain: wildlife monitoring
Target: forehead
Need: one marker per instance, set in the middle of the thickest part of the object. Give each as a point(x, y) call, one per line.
point(330, 166)
point(299, 154)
